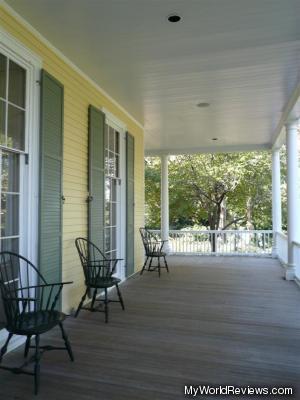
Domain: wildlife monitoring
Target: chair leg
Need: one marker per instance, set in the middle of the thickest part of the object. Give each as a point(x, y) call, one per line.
point(37, 368)
point(81, 303)
point(94, 299)
point(144, 266)
point(158, 266)
point(4, 348)
point(66, 340)
point(166, 264)
point(27, 344)
point(150, 264)
point(106, 305)
point(120, 296)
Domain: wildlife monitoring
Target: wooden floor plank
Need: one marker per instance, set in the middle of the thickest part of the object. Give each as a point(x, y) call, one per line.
point(216, 320)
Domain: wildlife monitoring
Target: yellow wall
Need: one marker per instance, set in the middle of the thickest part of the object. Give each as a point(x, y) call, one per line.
point(79, 93)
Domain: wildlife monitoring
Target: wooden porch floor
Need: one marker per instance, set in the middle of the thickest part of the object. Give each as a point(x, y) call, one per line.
point(210, 321)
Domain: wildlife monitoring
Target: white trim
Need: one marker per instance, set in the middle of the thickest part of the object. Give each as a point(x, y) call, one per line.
point(13, 49)
point(113, 121)
point(123, 201)
point(215, 149)
point(46, 42)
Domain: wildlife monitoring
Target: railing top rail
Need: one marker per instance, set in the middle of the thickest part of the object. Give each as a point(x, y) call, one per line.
point(215, 231)
point(295, 243)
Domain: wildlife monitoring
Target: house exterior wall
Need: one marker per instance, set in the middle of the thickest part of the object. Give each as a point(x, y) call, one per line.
point(78, 94)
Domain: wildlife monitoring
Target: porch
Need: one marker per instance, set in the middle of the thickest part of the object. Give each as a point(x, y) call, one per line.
point(212, 320)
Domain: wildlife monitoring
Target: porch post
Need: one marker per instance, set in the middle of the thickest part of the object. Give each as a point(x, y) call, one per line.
point(292, 195)
point(276, 197)
point(164, 200)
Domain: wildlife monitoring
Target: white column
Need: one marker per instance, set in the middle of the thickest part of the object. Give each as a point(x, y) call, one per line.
point(292, 195)
point(276, 197)
point(164, 200)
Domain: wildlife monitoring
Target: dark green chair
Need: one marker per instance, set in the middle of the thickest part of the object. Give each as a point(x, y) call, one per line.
point(30, 310)
point(98, 273)
point(153, 249)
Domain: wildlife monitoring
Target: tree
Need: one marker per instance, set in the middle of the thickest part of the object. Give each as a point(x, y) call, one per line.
point(217, 191)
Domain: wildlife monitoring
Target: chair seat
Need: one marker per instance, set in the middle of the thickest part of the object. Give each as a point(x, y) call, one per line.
point(36, 322)
point(157, 254)
point(103, 282)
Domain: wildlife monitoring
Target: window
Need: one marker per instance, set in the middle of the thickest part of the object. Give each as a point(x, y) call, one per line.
point(12, 104)
point(12, 145)
point(112, 196)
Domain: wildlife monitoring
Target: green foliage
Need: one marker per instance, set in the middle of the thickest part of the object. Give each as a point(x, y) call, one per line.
point(152, 192)
point(217, 191)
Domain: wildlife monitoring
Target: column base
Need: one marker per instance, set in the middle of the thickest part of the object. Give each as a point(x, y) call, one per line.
point(166, 248)
point(290, 272)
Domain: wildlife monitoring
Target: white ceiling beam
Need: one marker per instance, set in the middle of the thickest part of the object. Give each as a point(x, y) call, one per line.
point(210, 149)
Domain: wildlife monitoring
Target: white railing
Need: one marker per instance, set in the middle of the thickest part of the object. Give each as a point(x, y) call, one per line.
point(281, 247)
point(227, 242)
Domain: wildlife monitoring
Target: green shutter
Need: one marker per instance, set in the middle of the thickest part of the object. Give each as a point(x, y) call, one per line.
point(129, 204)
point(51, 170)
point(96, 177)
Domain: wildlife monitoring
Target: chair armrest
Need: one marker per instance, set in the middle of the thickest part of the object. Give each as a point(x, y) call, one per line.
point(44, 285)
point(159, 242)
point(22, 298)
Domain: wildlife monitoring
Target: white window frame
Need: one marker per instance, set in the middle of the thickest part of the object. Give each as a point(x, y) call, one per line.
point(16, 51)
point(118, 125)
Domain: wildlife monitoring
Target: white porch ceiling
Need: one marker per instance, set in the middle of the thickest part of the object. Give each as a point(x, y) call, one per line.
point(241, 56)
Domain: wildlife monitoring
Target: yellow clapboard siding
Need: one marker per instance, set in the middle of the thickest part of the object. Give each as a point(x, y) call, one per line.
point(79, 93)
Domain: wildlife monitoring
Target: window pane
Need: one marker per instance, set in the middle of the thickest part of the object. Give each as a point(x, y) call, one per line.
point(16, 128)
point(111, 164)
point(113, 214)
point(114, 190)
point(116, 142)
point(10, 172)
point(107, 213)
point(105, 136)
point(106, 162)
point(9, 214)
point(107, 189)
point(107, 239)
point(9, 245)
point(2, 122)
point(16, 84)
point(3, 78)
point(111, 139)
point(117, 166)
point(113, 238)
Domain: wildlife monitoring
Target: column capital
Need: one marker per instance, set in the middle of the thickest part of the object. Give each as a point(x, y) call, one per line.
point(275, 149)
point(292, 124)
point(164, 156)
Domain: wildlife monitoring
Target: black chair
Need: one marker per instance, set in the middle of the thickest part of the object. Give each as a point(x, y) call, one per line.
point(98, 273)
point(30, 310)
point(153, 249)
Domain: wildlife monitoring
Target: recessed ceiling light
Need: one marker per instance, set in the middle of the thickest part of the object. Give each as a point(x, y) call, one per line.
point(203, 105)
point(214, 138)
point(174, 18)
